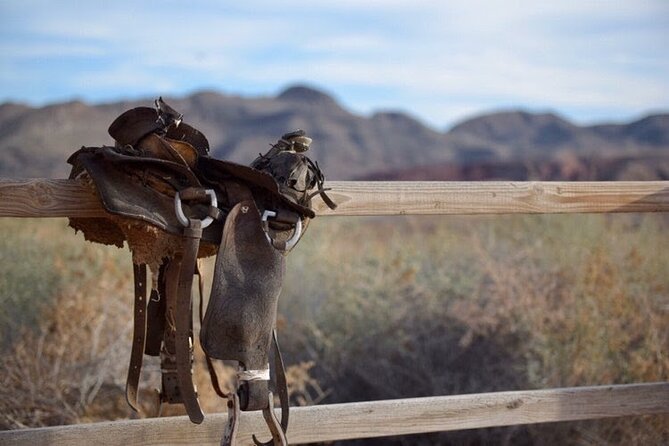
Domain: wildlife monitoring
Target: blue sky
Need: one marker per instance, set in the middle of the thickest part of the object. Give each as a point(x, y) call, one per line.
point(440, 61)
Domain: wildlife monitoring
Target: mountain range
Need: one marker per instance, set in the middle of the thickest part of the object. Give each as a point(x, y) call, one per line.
point(510, 144)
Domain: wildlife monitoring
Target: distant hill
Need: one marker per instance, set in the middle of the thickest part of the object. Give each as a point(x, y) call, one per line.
point(35, 142)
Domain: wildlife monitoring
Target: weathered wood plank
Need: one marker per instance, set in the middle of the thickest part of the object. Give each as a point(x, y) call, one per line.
point(495, 197)
point(375, 418)
point(47, 198)
point(61, 198)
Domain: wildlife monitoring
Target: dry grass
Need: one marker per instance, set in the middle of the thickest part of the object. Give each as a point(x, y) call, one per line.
point(425, 306)
point(68, 355)
point(376, 309)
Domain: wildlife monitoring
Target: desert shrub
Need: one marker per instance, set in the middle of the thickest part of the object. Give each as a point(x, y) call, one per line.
point(53, 373)
point(41, 259)
point(27, 277)
point(70, 331)
point(427, 306)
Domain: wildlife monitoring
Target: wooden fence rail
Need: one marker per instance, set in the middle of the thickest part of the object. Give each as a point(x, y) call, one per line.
point(63, 198)
point(372, 419)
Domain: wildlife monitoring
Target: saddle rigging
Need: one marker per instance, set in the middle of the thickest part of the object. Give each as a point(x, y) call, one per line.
point(173, 204)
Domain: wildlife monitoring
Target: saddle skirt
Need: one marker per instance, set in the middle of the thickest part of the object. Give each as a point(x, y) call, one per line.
point(173, 203)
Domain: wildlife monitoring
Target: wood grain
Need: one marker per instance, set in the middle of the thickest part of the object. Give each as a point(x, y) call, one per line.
point(495, 197)
point(63, 198)
point(373, 419)
point(48, 198)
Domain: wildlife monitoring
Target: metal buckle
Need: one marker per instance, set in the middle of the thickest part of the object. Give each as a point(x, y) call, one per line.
point(185, 221)
point(296, 235)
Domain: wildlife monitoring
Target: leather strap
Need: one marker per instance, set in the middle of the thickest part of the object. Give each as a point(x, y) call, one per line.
point(138, 337)
point(170, 392)
point(155, 315)
point(213, 377)
point(229, 437)
point(183, 319)
point(281, 383)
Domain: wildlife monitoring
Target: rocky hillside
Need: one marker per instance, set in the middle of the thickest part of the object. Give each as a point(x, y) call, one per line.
point(35, 142)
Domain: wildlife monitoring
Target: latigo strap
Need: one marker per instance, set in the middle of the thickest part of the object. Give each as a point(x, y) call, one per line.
point(184, 320)
point(138, 337)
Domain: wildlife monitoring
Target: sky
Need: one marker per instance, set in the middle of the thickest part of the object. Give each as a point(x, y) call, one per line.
point(440, 61)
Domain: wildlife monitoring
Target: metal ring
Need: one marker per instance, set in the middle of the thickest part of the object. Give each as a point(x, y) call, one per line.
point(296, 235)
point(185, 221)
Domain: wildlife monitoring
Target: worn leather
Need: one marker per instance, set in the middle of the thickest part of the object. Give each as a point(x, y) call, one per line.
point(138, 337)
point(131, 126)
point(155, 315)
point(241, 313)
point(184, 321)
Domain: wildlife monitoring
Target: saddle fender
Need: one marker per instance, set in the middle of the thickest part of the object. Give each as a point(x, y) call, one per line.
point(241, 313)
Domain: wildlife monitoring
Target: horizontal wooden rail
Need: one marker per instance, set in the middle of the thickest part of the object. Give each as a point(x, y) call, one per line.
point(373, 419)
point(65, 198)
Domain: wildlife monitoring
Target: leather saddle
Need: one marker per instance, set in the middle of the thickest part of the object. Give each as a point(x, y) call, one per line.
point(173, 204)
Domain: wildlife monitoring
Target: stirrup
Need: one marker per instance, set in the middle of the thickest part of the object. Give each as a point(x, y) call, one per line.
point(178, 209)
point(278, 435)
point(297, 233)
point(232, 426)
